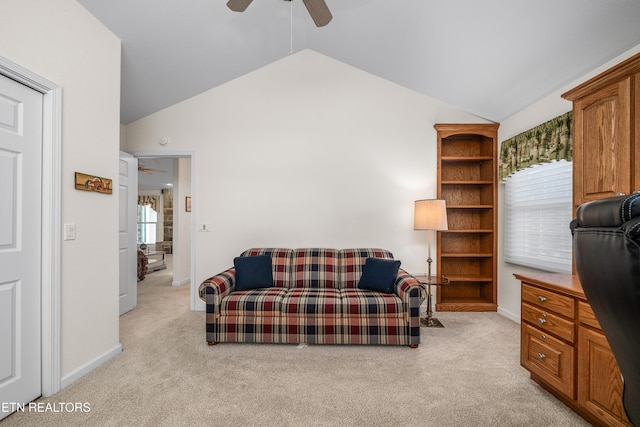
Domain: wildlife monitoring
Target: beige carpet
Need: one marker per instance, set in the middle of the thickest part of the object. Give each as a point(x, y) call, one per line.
point(467, 374)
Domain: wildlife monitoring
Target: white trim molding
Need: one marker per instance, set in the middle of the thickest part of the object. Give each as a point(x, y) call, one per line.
point(88, 367)
point(180, 282)
point(51, 188)
point(509, 315)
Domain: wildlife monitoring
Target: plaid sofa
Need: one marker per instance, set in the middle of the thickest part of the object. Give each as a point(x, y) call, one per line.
point(315, 299)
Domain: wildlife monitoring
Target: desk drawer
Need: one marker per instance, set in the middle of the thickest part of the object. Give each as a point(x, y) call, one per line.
point(549, 322)
point(549, 300)
point(587, 316)
point(549, 358)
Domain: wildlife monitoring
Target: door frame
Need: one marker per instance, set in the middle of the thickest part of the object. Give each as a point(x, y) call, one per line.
point(51, 214)
point(194, 204)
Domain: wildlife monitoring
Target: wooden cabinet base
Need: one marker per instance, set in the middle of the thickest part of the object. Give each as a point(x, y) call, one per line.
point(565, 350)
point(571, 403)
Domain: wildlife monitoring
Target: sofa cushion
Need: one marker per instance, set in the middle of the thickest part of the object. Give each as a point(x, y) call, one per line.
point(280, 263)
point(364, 303)
point(352, 261)
point(312, 302)
point(379, 275)
point(316, 268)
point(253, 302)
point(253, 272)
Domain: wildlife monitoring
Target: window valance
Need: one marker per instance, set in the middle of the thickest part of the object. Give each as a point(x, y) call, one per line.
point(153, 201)
point(542, 144)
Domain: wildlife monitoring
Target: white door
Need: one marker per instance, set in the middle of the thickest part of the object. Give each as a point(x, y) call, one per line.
point(128, 232)
point(20, 244)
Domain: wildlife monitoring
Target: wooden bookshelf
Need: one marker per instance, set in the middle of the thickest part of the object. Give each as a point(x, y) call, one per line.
point(467, 252)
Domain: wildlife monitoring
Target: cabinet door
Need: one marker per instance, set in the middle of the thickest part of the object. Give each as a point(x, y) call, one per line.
point(600, 385)
point(549, 358)
point(602, 143)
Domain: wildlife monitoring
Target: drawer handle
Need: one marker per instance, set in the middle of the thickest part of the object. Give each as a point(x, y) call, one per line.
point(541, 356)
point(542, 321)
point(544, 337)
point(541, 298)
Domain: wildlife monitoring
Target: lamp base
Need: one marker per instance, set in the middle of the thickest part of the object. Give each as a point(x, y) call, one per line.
point(431, 323)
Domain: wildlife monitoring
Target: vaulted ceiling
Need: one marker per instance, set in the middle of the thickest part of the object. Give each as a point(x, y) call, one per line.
point(490, 58)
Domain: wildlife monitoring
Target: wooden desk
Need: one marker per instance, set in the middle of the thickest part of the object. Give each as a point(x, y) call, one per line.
point(564, 348)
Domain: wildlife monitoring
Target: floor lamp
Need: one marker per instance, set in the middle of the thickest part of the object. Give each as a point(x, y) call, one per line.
point(430, 215)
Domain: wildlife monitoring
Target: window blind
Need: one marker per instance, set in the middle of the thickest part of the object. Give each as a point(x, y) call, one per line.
point(538, 209)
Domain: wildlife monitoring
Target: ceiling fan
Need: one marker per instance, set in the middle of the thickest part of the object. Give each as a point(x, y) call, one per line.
point(148, 171)
point(318, 9)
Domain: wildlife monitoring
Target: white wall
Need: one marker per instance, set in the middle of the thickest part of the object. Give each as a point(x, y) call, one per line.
point(547, 108)
point(307, 151)
point(60, 41)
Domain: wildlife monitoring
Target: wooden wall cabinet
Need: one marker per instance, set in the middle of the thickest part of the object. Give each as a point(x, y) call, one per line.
point(606, 133)
point(467, 181)
point(566, 351)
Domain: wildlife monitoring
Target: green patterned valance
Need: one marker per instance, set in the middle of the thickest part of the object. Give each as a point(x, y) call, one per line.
point(544, 143)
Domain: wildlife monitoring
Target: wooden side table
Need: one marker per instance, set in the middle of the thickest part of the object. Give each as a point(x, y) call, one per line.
point(430, 321)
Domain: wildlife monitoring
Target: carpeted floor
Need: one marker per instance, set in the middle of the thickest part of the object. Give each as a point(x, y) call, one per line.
point(467, 374)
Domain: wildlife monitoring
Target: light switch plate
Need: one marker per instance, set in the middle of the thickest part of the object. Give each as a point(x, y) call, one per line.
point(70, 232)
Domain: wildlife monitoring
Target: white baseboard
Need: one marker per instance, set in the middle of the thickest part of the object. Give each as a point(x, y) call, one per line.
point(181, 282)
point(84, 370)
point(508, 315)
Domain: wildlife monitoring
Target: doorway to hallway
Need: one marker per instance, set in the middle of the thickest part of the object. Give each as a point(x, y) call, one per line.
point(167, 178)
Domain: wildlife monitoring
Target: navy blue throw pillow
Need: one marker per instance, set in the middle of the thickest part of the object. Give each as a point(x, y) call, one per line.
point(379, 275)
point(253, 272)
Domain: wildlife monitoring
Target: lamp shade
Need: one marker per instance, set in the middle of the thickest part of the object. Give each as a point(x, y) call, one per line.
point(430, 214)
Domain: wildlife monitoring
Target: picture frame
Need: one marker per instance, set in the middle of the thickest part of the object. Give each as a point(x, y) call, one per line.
point(187, 204)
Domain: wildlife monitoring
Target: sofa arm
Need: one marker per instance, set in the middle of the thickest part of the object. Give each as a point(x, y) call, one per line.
point(217, 287)
point(410, 291)
point(405, 283)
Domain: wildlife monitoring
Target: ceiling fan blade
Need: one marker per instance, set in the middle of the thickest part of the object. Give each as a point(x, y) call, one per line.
point(151, 171)
point(319, 12)
point(238, 5)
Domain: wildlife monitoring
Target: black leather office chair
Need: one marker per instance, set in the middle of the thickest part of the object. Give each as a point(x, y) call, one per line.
point(606, 249)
